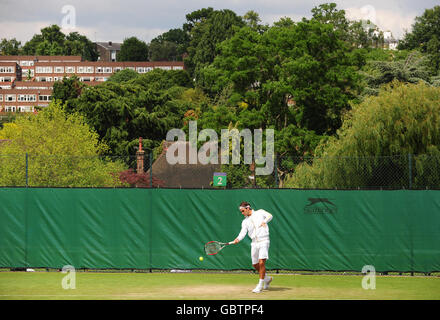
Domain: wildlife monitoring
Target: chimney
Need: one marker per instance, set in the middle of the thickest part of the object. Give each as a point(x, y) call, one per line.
point(110, 43)
point(140, 156)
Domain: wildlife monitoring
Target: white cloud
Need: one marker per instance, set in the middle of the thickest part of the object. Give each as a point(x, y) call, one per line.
point(117, 19)
point(22, 31)
point(387, 20)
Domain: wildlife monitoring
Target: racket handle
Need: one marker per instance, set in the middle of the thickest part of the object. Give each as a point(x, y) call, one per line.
point(232, 242)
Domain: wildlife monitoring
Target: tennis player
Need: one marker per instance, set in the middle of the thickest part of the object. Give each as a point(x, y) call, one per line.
point(255, 225)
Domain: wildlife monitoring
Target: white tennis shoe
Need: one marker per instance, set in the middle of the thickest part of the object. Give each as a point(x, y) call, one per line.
point(267, 283)
point(257, 289)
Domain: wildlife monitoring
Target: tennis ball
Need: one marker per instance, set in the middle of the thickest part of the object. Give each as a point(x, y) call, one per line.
point(201, 258)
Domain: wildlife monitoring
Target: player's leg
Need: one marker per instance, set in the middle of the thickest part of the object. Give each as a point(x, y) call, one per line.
point(262, 268)
point(263, 256)
point(256, 265)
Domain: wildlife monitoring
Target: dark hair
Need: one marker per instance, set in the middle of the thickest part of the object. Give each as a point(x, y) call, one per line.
point(245, 204)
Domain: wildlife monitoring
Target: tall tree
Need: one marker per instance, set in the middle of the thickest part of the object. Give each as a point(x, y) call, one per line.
point(212, 27)
point(425, 35)
point(133, 49)
point(121, 112)
point(52, 41)
point(10, 47)
point(170, 46)
point(77, 44)
point(296, 78)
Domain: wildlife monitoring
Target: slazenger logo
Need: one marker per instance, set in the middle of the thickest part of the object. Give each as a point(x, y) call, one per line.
point(320, 206)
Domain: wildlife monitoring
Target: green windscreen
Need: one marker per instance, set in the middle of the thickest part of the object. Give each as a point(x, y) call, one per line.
point(167, 228)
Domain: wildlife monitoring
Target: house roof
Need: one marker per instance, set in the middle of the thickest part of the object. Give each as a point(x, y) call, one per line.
point(110, 45)
point(183, 175)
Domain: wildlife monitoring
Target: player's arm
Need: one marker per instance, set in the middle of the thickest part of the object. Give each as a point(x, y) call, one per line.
point(267, 218)
point(242, 233)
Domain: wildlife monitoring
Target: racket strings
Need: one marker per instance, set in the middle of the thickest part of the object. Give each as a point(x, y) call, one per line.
point(211, 248)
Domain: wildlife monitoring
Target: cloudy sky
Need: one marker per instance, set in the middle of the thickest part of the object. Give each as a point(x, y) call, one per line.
point(115, 20)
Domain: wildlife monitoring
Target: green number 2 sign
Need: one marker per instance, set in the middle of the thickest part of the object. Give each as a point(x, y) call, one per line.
point(219, 179)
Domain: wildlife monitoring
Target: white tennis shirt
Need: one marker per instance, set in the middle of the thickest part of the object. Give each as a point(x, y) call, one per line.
point(252, 226)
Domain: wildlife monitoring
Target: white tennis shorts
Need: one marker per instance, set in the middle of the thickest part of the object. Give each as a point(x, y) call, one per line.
point(259, 250)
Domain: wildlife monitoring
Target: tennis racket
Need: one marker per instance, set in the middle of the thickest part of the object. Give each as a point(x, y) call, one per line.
point(214, 247)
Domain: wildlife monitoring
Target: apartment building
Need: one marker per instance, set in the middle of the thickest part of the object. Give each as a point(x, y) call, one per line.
point(89, 71)
point(27, 81)
point(9, 71)
point(24, 96)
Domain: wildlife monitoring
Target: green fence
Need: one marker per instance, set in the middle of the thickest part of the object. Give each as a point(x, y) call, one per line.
point(167, 228)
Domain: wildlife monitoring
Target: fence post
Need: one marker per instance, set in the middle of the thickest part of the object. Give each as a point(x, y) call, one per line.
point(151, 169)
point(410, 170)
point(27, 170)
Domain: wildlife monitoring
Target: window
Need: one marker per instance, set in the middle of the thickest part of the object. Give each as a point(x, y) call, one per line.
point(44, 70)
point(89, 70)
point(44, 98)
point(178, 68)
point(44, 79)
point(107, 69)
point(116, 69)
point(25, 108)
point(70, 69)
point(28, 72)
point(1, 97)
point(99, 69)
point(27, 97)
point(59, 69)
point(10, 108)
point(6, 69)
point(10, 97)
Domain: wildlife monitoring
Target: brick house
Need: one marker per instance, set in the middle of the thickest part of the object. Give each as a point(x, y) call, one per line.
point(108, 51)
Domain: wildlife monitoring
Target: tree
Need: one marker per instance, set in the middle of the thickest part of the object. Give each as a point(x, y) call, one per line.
point(371, 148)
point(10, 47)
point(385, 66)
point(169, 46)
point(124, 76)
point(52, 41)
point(133, 49)
point(61, 151)
point(300, 74)
point(67, 90)
point(77, 44)
point(253, 20)
point(146, 106)
point(295, 78)
point(208, 28)
point(425, 35)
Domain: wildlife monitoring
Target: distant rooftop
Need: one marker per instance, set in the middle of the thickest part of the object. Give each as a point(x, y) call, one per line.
point(109, 45)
